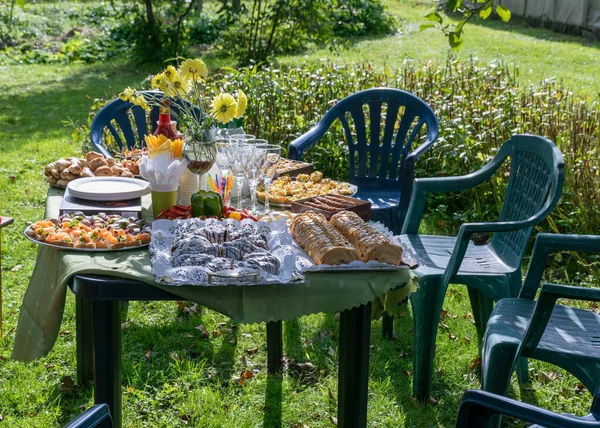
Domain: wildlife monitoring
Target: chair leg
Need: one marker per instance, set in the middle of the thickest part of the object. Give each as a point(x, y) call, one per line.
point(482, 306)
point(427, 304)
point(387, 326)
point(496, 369)
point(523, 370)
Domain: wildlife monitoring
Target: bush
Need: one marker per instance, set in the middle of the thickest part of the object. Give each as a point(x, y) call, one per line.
point(361, 18)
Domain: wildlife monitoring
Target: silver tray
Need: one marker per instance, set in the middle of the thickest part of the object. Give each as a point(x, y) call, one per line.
point(86, 250)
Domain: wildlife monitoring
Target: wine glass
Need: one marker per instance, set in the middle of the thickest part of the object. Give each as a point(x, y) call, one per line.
point(223, 139)
point(237, 152)
point(252, 168)
point(268, 168)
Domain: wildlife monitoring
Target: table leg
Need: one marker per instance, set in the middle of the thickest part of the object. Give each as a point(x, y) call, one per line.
point(387, 326)
point(107, 356)
point(84, 339)
point(0, 284)
point(353, 378)
point(274, 346)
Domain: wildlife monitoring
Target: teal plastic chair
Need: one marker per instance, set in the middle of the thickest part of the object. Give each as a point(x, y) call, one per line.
point(97, 416)
point(381, 126)
point(493, 271)
point(561, 335)
point(479, 409)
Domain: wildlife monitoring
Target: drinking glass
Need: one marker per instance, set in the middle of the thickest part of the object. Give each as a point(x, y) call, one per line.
point(252, 168)
point(222, 161)
point(268, 168)
point(237, 152)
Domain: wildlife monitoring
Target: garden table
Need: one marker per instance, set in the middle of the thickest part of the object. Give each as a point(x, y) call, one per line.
point(102, 281)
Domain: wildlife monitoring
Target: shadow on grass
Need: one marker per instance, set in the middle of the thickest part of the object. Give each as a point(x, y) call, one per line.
point(273, 401)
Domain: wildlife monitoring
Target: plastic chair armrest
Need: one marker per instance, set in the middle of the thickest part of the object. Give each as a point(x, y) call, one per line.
point(95, 416)
point(478, 407)
point(546, 243)
point(423, 186)
point(464, 235)
point(305, 141)
point(545, 305)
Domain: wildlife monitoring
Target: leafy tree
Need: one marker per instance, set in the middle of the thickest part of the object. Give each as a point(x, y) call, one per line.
point(454, 32)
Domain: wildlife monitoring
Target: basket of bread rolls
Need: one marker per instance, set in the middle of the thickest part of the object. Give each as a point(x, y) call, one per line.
point(60, 172)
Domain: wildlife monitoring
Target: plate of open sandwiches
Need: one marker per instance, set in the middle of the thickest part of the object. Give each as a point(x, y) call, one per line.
point(99, 232)
point(286, 189)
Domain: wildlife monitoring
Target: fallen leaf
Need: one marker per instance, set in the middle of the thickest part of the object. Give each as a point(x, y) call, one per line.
point(225, 407)
point(175, 356)
point(216, 333)
point(451, 336)
point(189, 336)
point(465, 340)
point(67, 385)
point(252, 351)
point(190, 310)
point(64, 332)
point(432, 402)
point(306, 366)
point(333, 420)
point(444, 314)
point(476, 363)
point(330, 351)
point(565, 392)
point(580, 388)
point(185, 418)
point(403, 355)
point(372, 347)
point(444, 326)
point(148, 353)
point(406, 373)
point(12, 178)
point(49, 366)
point(15, 268)
point(544, 377)
point(244, 361)
point(202, 329)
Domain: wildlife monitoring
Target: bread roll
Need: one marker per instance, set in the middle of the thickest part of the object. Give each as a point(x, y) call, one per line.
point(62, 183)
point(66, 175)
point(321, 241)
point(75, 167)
point(110, 162)
point(86, 172)
point(51, 179)
point(93, 155)
point(62, 164)
point(103, 171)
point(371, 243)
point(48, 169)
point(97, 163)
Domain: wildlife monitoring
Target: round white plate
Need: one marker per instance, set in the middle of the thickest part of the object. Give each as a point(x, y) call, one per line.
point(106, 189)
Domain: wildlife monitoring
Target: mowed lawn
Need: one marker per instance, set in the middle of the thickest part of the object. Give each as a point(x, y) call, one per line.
point(172, 375)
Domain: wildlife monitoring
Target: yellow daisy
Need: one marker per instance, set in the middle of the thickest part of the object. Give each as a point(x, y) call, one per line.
point(177, 87)
point(223, 107)
point(242, 103)
point(139, 100)
point(159, 82)
point(127, 94)
point(193, 69)
point(170, 73)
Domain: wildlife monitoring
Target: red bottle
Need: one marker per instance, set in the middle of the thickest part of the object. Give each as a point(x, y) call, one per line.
point(166, 126)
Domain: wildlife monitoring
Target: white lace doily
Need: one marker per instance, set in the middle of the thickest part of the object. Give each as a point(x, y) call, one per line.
point(293, 259)
point(281, 245)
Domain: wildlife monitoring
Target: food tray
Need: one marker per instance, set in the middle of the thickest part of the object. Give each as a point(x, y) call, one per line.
point(87, 250)
point(261, 198)
point(358, 206)
point(299, 167)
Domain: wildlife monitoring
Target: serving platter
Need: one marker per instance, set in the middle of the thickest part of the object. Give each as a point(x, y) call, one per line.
point(108, 189)
point(260, 197)
point(80, 249)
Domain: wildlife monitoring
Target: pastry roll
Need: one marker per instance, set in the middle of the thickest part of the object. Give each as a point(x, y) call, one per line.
point(321, 241)
point(371, 243)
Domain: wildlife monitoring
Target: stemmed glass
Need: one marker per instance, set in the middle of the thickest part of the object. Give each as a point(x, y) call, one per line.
point(252, 169)
point(269, 167)
point(238, 152)
point(222, 160)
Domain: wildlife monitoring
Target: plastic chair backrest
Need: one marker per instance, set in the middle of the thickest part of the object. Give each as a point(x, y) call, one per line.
point(127, 123)
point(381, 125)
point(534, 188)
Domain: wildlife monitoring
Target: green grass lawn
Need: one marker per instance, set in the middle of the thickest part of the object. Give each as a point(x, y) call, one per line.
point(174, 377)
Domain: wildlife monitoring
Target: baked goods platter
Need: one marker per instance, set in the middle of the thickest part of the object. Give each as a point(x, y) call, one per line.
point(64, 170)
point(285, 189)
point(218, 252)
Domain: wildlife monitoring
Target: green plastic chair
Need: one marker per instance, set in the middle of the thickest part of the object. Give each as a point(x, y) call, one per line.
point(558, 334)
point(479, 409)
point(493, 271)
